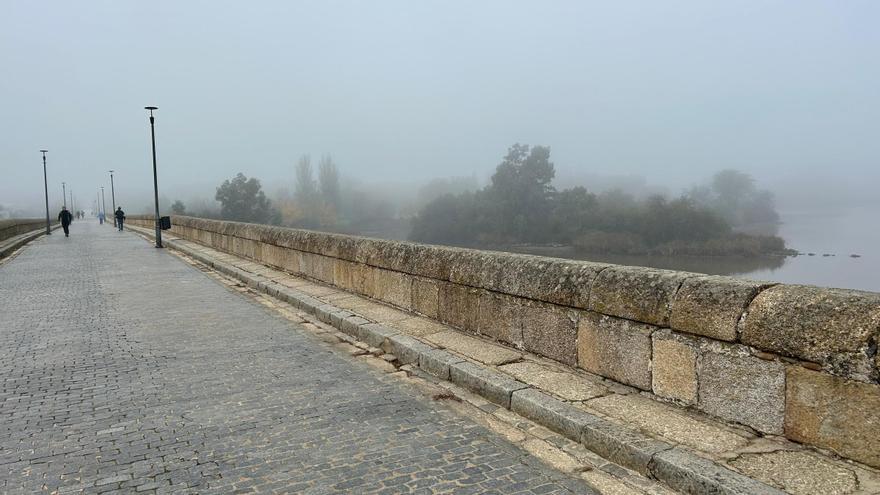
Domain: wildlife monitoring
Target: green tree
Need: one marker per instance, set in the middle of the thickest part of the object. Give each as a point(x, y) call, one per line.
point(734, 196)
point(178, 208)
point(519, 197)
point(242, 199)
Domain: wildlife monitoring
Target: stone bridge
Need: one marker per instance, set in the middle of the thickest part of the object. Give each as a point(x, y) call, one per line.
point(644, 380)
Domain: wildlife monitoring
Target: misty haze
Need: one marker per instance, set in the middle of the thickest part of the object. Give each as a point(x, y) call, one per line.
point(723, 139)
point(440, 247)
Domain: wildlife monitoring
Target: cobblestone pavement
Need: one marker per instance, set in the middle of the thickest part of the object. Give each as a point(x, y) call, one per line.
point(126, 370)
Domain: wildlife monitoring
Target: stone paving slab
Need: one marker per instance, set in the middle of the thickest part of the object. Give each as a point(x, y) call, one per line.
point(665, 421)
point(566, 385)
point(127, 371)
point(474, 348)
point(669, 422)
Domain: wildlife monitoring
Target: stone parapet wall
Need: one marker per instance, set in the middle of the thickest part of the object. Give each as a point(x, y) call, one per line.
point(17, 226)
point(782, 359)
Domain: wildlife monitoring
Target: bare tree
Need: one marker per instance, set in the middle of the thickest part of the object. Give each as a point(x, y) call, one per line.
point(305, 182)
point(329, 178)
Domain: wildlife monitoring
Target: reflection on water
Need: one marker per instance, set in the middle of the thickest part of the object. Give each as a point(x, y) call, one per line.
point(837, 233)
point(713, 265)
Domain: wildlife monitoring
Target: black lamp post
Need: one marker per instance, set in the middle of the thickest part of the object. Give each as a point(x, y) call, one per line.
point(112, 200)
point(46, 187)
point(155, 179)
point(63, 194)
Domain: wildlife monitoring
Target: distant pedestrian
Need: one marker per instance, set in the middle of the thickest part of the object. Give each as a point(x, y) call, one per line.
point(120, 217)
point(101, 217)
point(65, 218)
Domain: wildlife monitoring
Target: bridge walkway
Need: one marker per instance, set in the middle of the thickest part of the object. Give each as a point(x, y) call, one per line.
point(127, 370)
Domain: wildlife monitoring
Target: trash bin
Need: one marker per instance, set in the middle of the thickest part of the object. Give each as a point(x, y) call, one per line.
point(164, 223)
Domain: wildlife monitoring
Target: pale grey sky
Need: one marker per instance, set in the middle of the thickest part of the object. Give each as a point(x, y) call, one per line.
point(402, 90)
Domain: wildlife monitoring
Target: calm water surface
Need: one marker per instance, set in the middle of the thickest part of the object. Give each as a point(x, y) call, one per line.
point(839, 233)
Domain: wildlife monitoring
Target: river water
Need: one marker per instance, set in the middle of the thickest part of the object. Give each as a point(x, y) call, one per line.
point(836, 233)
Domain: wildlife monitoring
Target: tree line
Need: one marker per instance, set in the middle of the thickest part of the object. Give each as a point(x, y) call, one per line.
point(520, 205)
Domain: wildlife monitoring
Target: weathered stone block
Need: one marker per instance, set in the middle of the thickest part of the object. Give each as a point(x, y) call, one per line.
point(674, 368)
point(474, 348)
point(712, 306)
point(550, 412)
point(662, 420)
point(833, 413)
point(425, 296)
point(420, 327)
point(324, 269)
point(256, 250)
point(406, 348)
point(551, 280)
point(494, 386)
point(437, 362)
point(393, 287)
point(636, 293)
point(324, 311)
point(337, 317)
point(307, 303)
point(501, 318)
point(801, 472)
point(375, 334)
point(268, 255)
point(292, 261)
point(362, 278)
point(834, 327)
point(738, 387)
point(351, 324)
point(562, 382)
point(687, 472)
point(615, 348)
point(551, 331)
point(621, 445)
point(459, 306)
point(342, 277)
point(466, 266)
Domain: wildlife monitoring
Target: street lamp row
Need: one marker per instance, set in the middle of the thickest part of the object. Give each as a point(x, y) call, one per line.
point(112, 186)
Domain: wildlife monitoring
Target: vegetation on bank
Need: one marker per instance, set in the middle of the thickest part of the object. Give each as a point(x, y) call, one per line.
point(521, 206)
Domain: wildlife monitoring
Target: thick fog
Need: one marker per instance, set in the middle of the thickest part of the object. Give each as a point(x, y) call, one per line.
point(660, 93)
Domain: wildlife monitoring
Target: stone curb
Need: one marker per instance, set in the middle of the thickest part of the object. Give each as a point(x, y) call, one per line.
point(689, 473)
point(9, 246)
point(493, 385)
point(680, 469)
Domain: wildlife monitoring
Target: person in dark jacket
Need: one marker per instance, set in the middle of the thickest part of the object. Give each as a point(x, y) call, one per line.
point(120, 217)
point(65, 218)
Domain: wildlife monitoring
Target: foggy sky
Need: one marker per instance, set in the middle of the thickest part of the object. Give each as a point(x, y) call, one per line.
point(401, 90)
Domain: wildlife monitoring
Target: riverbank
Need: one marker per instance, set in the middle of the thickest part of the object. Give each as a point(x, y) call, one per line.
point(733, 245)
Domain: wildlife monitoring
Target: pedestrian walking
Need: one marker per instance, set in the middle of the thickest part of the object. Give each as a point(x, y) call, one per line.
point(101, 217)
point(65, 218)
point(120, 217)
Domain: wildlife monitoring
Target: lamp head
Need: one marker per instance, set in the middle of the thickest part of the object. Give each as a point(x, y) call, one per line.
point(44, 151)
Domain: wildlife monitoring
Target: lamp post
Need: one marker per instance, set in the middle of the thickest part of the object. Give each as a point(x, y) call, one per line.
point(155, 179)
point(103, 204)
point(112, 200)
point(63, 195)
point(46, 188)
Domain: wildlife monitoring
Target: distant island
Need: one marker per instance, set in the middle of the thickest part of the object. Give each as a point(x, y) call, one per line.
point(521, 207)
